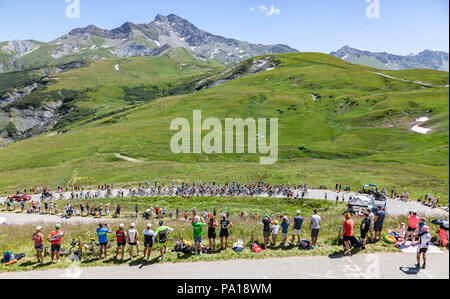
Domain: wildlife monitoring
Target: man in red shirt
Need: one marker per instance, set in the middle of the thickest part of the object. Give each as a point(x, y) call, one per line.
point(55, 238)
point(349, 225)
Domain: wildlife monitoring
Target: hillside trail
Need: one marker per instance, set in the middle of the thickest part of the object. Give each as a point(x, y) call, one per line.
point(408, 81)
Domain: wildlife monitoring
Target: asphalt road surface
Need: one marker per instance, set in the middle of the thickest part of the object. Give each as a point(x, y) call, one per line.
point(360, 266)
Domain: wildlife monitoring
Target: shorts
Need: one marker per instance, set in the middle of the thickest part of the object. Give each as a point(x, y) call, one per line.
point(121, 244)
point(274, 237)
point(148, 243)
point(132, 244)
point(39, 247)
point(266, 234)
point(364, 234)
point(296, 232)
point(315, 232)
point(104, 244)
point(198, 239)
point(212, 235)
point(347, 238)
point(284, 236)
point(224, 234)
point(56, 247)
point(378, 227)
point(410, 229)
point(422, 250)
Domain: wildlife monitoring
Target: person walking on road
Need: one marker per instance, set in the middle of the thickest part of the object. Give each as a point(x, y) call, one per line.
point(425, 239)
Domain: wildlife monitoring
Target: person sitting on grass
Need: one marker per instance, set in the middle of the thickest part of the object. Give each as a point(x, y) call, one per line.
point(198, 233)
point(102, 234)
point(349, 225)
point(38, 239)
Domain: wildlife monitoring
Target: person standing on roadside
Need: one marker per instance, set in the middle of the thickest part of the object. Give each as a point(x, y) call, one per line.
point(149, 235)
point(365, 226)
point(349, 225)
point(121, 237)
point(102, 234)
point(314, 225)
point(55, 238)
point(212, 224)
point(38, 239)
point(225, 225)
point(284, 230)
point(297, 227)
point(378, 222)
point(413, 222)
point(133, 239)
point(198, 233)
point(266, 229)
point(161, 234)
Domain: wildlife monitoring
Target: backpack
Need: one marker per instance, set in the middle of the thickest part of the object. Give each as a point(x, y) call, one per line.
point(304, 244)
point(355, 242)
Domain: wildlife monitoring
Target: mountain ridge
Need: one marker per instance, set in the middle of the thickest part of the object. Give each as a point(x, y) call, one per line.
point(426, 59)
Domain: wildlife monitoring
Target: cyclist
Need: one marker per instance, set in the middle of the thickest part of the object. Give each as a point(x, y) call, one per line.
point(102, 234)
point(225, 226)
point(121, 237)
point(161, 233)
point(133, 237)
point(55, 238)
point(148, 241)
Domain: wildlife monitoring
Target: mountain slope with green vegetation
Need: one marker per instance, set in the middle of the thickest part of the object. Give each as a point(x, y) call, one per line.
point(338, 122)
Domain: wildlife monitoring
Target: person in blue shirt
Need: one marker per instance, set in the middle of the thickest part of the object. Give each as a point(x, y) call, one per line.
point(284, 230)
point(102, 234)
point(297, 227)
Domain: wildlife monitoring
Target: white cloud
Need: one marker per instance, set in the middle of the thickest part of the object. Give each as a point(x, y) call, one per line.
point(268, 12)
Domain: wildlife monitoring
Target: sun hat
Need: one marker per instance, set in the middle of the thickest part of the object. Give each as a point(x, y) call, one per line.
point(285, 217)
point(132, 225)
point(38, 228)
point(149, 225)
point(298, 212)
point(121, 225)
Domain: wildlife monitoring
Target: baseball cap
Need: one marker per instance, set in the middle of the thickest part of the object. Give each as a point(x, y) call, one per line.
point(149, 225)
point(58, 226)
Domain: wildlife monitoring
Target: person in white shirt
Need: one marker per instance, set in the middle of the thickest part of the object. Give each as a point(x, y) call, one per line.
point(314, 225)
point(133, 239)
point(425, 239)
point(275, 230)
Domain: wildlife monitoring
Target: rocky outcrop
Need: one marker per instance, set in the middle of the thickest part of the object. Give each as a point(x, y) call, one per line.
point(17, 95)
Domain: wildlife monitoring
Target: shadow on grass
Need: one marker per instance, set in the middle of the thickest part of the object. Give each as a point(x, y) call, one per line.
point(143, 262)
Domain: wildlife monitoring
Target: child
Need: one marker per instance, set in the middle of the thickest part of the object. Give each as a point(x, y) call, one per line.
point(275, 229)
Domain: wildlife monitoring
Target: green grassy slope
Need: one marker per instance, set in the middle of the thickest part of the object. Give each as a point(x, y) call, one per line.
point(358, 131)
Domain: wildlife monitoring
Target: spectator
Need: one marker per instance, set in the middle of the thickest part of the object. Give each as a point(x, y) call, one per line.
point(379, 222)
point(349, 225)
point(314, 225)
point(297, 227)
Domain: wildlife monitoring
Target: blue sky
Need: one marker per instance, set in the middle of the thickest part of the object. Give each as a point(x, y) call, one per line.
point(403, 26)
